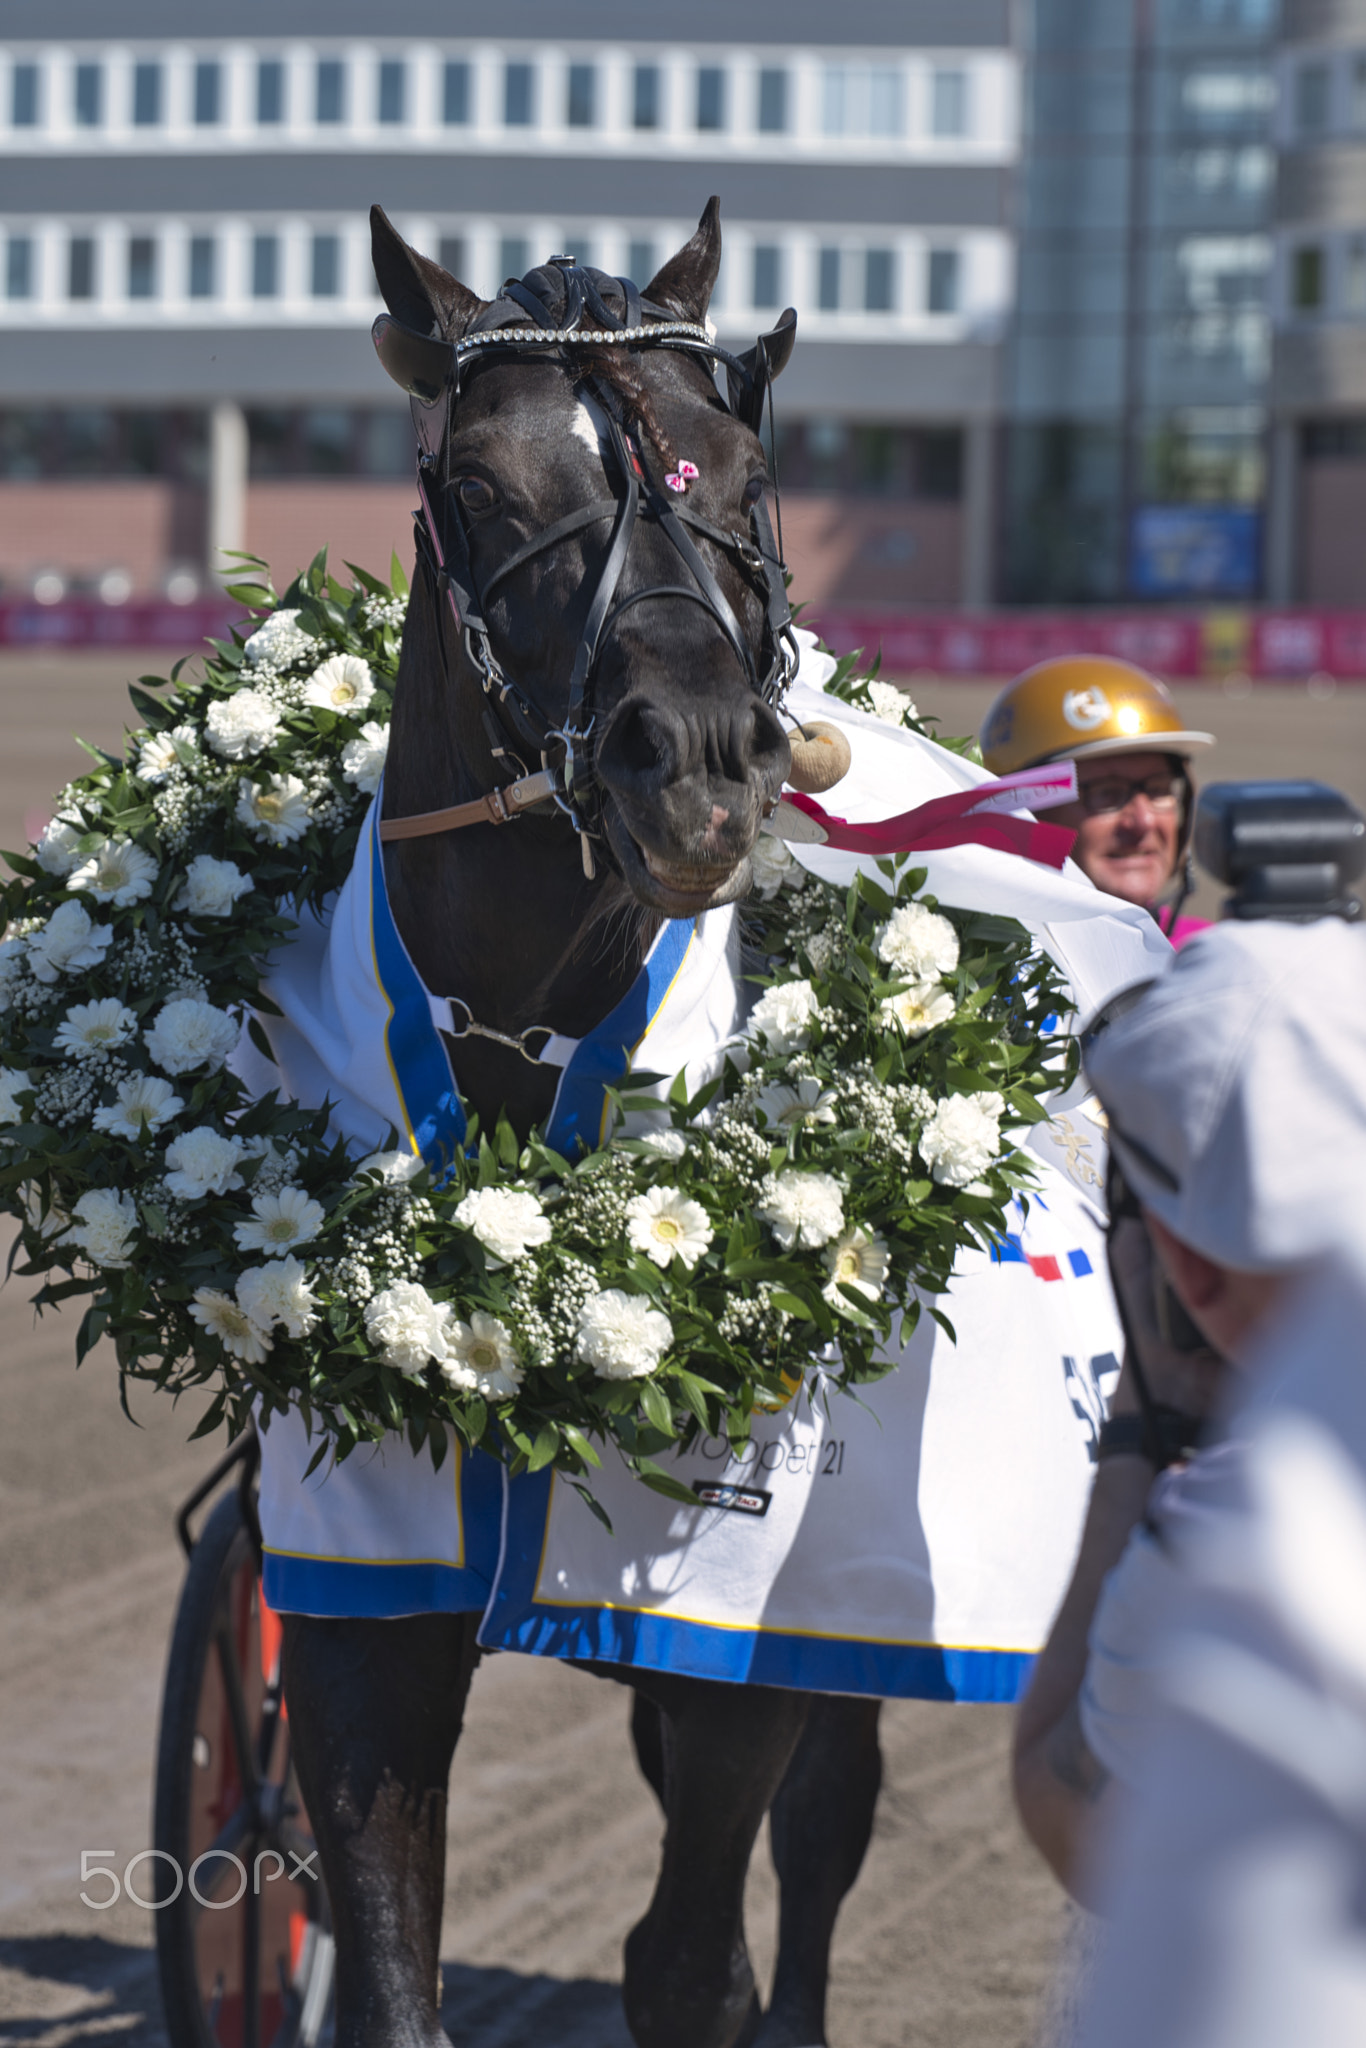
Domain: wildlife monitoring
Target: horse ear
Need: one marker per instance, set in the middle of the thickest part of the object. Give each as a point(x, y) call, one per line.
point(418, 292)
point(687, 281)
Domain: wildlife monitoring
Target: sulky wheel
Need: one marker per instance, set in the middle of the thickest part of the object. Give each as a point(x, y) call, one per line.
point(248, 1962)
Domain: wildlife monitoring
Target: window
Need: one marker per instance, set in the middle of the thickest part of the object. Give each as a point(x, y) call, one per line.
point(519, 83)
point(878, 280)
point(772, 102)
point(329, 91)
point(948, 102)
point(828, 281)
point(203, 265)
point(640, 262)
point(23, 96)
point(89, 101)
point(455, 93)
point(1311, 98)
point(208, 87)
point(1306, 279)
point(767, 274)
point(142, 267)
point(943, 279)
point(711, 98)
point(645, 97)
point(80, 267)
point(450, 254)
point(514, 256)
point(325, 270)
point(146, 95)
point(270, 92)
point(1354, 275)
point(265, 266)
point(19, 267)
point(580, 246)
point(581, 98)
point(862, 100)
point(393, 91)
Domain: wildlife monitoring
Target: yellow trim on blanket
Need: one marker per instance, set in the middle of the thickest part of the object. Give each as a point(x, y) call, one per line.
point(456, 1563)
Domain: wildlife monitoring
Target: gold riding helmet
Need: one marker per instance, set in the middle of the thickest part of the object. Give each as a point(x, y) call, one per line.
point(1076, 705)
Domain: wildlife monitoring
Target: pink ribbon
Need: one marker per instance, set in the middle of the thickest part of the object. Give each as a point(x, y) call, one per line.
point(969, 817)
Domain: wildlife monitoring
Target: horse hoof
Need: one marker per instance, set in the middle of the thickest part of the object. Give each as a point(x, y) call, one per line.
point(671, 2006)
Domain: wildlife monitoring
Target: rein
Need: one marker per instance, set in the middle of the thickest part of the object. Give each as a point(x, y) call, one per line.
point(516, 726)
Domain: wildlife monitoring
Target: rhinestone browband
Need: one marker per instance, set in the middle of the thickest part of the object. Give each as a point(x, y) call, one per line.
point(555, 337)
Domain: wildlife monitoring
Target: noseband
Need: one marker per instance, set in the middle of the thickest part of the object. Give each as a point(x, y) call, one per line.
point(518, 729)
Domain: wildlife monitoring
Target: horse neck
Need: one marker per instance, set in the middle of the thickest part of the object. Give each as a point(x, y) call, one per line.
point(500, 916)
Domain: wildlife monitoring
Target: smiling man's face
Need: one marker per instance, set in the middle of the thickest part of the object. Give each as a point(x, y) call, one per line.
point(1129, 845)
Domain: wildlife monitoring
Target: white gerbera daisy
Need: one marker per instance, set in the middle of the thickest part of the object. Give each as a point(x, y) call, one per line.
point(482, 1358)
point(363, 759)
point(665, 1225)
point(69, 941)
point(278, 1292)
point(276, 810)
point(859, 1261)
point(89, 1028)
point(144, 1102)
point(220, 1315)
point(916, 1010)
point(119, 873)
point(343, 683)
point(788, 1107)
point(279, 1222)
point(163, 752)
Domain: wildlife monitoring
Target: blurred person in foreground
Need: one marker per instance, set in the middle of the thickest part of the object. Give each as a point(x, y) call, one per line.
point(1136, 800)
point(1235, 1088)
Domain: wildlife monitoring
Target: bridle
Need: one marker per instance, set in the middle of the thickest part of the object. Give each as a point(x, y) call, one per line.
point(434, 371)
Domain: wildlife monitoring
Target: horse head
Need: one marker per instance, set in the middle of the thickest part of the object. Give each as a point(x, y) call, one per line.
point(595, 511)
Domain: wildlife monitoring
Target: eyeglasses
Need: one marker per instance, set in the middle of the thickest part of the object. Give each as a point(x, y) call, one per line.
point(1163, 790)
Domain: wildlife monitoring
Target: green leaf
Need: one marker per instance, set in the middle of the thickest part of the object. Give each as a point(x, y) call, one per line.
point(656, 1407)
point(659, 1481)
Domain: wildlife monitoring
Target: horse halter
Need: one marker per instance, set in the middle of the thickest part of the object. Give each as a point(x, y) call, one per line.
point(555, 301)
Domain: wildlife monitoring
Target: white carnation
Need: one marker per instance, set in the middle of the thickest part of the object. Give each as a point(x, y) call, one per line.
point(240, 725)
point(12, 1082)
point(104, 1228)
point(343, 684)
point(278, 641)
point(276, 810)
point(212, 887)
point(203, 1162)
point(918, 943)
point(57, 849)
point(889, 704)
point(278, 1292)
point(144, 1102)
point(68, 942)
point(785, 1014)
point(409, 1327)
point(668, 1143)
point(221, 1316)
point(665, 1225)
point(161, 753)
point(506, 1221)
point(189, 1035)
point(918, 1009)
point(279, 1221)
point(482, 1358)
point(89, 1028)
point(960, 1140)
point(395, 1169)
point(801, 1209)
point(772, 865)
point(363, 759)
point(621, 1336)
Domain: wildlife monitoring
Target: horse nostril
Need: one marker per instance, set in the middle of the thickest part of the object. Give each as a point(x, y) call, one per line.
point(643, 743)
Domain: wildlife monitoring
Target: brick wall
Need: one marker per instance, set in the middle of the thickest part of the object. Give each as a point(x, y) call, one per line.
point(82, 529)
point(290, 519)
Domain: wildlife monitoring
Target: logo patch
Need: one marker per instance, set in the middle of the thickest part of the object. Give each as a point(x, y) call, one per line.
point(1084, 710)
point(741, 1500)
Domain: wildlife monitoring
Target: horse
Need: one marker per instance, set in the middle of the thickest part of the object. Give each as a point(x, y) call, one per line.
point(639, 645)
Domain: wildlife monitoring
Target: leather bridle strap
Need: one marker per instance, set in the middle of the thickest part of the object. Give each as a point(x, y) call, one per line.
point(498, 807)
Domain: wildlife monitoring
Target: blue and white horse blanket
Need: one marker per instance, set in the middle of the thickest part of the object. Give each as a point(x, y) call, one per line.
point(914, 1542)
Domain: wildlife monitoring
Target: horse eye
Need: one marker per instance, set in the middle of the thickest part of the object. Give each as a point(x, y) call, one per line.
point(754, 490)
point(475, 494)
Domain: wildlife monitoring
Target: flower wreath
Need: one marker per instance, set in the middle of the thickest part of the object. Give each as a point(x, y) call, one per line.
point(678, 1279)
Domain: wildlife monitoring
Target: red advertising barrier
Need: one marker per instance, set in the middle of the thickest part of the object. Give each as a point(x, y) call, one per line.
point(142, 622)
point(1263, 646)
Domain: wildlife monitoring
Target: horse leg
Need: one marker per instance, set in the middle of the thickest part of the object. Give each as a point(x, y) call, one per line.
point(821, 1823)
point(688, 1981)
point(375, 1708)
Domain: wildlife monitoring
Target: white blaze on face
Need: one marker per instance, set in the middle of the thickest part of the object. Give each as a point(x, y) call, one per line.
point(588, 426)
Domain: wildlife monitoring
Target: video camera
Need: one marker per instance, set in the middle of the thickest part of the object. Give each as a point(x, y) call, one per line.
point(1289, 849)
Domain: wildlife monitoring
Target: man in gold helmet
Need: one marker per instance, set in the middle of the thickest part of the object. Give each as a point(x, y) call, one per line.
point(1135, 803)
